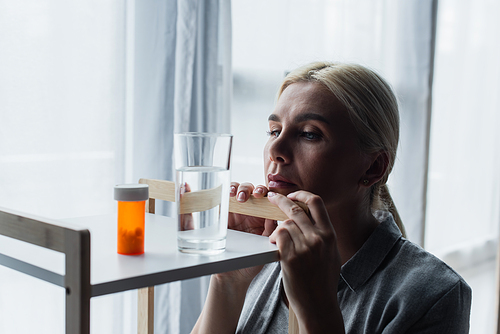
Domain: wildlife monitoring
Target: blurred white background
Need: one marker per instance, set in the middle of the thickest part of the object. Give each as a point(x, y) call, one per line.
point(78, 78)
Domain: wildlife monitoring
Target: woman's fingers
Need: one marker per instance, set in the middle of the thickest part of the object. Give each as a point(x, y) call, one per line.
point(269, 227)
point(316, 207)
point(293, 211)
point(282, 237)
point(233, 188)
point(243, 191)
point(260, 191)
point(288, 228)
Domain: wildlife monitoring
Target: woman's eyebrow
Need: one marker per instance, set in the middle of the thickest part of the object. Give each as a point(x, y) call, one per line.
point(310, 116)
point(273, 118)
point(301, 118)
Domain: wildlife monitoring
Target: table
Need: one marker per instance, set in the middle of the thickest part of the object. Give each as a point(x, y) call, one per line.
point(162, 262)
point(102, 271)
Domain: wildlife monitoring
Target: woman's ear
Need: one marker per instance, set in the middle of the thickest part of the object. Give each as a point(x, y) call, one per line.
point(377, 169)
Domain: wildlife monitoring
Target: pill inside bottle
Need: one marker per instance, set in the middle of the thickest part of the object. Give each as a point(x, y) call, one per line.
point(131, 217)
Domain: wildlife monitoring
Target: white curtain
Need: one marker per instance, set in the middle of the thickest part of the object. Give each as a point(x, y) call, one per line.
point(463, 212)
point(62, 70)
point(91, 92)
point(199, 94)
point(90, 95)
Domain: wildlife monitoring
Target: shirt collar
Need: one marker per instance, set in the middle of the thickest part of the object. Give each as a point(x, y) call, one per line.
point(358, 269)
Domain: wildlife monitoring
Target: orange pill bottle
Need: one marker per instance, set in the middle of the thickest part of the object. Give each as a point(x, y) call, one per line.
point(131, 217)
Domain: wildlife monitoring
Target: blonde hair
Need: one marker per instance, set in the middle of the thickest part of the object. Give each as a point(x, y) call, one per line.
point(373, 110)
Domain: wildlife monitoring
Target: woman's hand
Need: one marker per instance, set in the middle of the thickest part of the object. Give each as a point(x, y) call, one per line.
point(186, 219)
point(227, 291)
point(310, 262)
point(249, 224)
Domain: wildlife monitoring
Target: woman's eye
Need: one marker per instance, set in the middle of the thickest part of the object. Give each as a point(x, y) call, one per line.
point(310, 135)
point(273, 133)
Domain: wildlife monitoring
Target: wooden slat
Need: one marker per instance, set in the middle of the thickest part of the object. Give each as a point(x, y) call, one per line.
point(257, 207)
point(150, 205)
point(260, 207)
point(145, 310)
point(199, 201)
point(160, 189)
point(293, 324)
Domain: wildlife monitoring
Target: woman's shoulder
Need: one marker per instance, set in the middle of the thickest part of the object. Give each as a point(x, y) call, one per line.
point(435, 292)
point(422, 279)
point(413, 262)
point(410, 264)
point(404, 285)
point(393, 256)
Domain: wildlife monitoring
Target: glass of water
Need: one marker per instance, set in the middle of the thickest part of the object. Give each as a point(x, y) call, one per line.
point(202, 162)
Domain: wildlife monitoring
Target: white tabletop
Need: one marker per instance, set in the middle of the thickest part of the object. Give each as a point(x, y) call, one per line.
point(162, 262)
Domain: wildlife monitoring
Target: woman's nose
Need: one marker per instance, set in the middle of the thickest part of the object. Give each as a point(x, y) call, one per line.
point(280, 150)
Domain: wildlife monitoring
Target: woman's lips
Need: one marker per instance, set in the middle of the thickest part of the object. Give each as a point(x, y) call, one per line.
point(278, 181)
point(280, 184)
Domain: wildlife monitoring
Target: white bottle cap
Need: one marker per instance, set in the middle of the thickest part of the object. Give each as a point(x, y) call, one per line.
point(131, 192)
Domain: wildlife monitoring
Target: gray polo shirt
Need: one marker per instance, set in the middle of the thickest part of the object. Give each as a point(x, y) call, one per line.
point(389, 286)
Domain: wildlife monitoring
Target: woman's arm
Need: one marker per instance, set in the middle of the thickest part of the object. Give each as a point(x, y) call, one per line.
point(227, 291)
point(222, 308)
point(310, 262)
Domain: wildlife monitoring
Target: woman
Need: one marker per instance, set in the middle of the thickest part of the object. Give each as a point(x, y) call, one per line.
point(345, 267)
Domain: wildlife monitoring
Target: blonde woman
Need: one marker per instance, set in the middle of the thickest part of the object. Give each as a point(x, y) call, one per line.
point(347, 267)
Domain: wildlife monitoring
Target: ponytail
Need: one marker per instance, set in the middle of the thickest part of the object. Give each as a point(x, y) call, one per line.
point(382, 200)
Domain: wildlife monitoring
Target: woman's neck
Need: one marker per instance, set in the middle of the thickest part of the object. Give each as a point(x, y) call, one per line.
point(353, 227)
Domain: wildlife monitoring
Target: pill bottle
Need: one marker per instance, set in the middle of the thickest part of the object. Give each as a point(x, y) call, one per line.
point(131, 216)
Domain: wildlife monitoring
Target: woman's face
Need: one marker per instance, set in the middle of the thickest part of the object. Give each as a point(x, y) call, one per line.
point(312, 146)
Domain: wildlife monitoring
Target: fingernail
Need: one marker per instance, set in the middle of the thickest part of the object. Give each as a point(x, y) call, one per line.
point(241, 196)
point(232, 190)
point(259, 190)
point(270, 194)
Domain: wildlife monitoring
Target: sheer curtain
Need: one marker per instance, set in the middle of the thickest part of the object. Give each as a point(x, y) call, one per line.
point(91, 93)
point(463, 211)
point(62, 69)
point(201, 101)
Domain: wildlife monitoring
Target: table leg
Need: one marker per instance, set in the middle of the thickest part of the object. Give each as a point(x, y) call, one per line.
point(77, 282)
point(145, 310)
point(293, 324)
